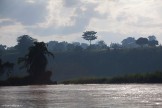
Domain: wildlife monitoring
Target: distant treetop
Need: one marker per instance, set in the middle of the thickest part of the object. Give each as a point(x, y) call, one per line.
point(89, 35)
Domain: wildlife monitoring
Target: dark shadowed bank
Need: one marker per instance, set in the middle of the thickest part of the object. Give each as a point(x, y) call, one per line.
point(43, 79)
point(155, 77)
point(106, 63)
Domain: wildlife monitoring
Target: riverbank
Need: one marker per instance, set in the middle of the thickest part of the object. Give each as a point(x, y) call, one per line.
point(16, 81)
point(155, 77)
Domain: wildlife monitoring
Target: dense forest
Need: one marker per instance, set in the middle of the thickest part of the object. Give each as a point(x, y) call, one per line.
point(79, 60)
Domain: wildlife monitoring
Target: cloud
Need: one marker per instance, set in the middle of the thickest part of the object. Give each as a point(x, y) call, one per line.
point(30, 1)
point(67, 19)
point(6, 22)
point(24, 11)
point(128, 16)
point(58, 15)
point(71, 3)
point(10, 33)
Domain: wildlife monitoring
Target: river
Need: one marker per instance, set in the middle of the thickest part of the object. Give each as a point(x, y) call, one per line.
point(82, 96)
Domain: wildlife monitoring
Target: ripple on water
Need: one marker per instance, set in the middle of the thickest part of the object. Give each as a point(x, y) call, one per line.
point(83, 96)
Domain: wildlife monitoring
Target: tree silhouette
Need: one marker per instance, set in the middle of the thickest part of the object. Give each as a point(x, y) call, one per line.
point(24, 42)
point(115, 45)
point(142, 41)
point(6, 67)
point(2, 47)
point(153, 43)
point(101, 44)
point(89, 35)
point(151, 38)
point(35, 61)
point(129, 42)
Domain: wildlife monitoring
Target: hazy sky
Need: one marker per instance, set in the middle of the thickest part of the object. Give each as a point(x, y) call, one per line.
point(65, 20)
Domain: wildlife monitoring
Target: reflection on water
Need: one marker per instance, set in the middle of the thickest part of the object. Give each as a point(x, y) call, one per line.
point(82, 96)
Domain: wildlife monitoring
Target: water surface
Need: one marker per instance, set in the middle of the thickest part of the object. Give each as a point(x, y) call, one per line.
point(82, 96)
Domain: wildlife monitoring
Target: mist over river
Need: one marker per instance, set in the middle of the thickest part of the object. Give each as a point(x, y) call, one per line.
point(82, 96)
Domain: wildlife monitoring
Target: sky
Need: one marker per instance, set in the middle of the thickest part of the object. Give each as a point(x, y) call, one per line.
point(66, 20)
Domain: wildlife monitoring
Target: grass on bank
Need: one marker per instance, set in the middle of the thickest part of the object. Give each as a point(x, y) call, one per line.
point(154, 77)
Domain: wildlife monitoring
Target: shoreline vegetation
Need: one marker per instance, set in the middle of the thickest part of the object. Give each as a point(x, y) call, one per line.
point(153, 77)
point(138, 78)
point(17, 81)
point(38, 63)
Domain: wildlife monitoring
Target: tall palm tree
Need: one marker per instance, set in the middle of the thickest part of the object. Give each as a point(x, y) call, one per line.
point(35, 61)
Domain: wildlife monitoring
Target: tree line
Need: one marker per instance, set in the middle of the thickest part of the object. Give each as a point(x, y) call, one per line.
point(30, 56)
point(25, 41)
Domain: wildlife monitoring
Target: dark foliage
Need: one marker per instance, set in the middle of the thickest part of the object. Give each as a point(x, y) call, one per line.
point(90, 63)
point(35, 61)
point(89, 35)
point(6, 67)
point(24, 42)
point(153, 43)
point(75, 60)
point(142, 41)
point(155, 77)
point(21, 81)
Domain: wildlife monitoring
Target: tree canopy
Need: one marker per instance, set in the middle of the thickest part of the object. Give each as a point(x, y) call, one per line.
point(24, 42)
point(35, 61)
point(142, 41)
point(6, 67)
point(89, 35)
